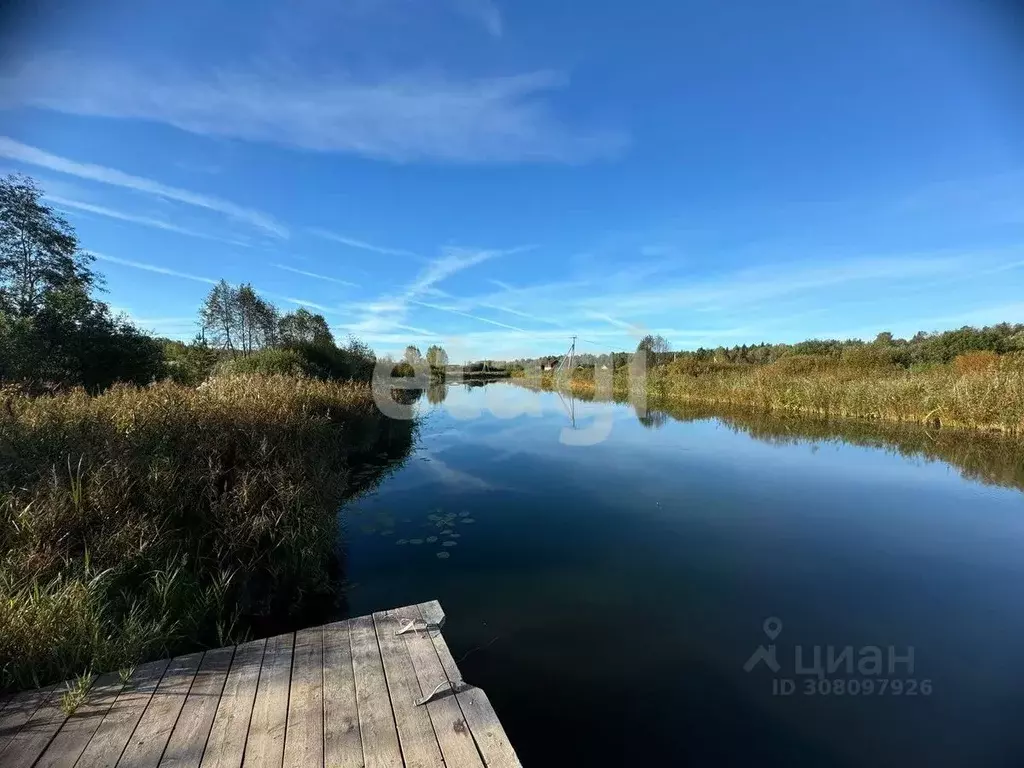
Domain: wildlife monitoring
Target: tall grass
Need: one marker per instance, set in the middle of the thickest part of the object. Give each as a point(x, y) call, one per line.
point(977, 390)
point(146, 521)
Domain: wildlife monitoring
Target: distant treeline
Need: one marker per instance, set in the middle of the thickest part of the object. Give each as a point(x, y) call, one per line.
point(921, 349)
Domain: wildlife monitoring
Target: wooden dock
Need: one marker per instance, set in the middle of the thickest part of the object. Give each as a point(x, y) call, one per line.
point(375, 691)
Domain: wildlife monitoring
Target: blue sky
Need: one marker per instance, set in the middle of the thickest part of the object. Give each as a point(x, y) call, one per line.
point(498, 175)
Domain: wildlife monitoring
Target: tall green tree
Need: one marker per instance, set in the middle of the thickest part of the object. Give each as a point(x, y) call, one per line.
point(238, 320)
point(53, 333)
point(304, 327)
point(436, 356)
point(257, 320)
point(39, 251)
point(219, 317)
point(653, 345)
point(73, 340)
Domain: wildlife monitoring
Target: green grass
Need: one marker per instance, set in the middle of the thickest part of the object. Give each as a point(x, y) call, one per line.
point(149, 521)
point(74, 693)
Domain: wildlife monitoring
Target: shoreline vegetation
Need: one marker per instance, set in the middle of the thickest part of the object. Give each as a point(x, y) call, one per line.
point(145, 522)
point(976, 389)
point(157, 496)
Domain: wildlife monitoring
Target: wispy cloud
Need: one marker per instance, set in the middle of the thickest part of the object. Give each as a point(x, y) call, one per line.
point(313, 305)
point(300, 302)
point(613, 321)
point(361, 244)
point(738, 289)
point(146, 221)
point(414, 329)
point(441, 308)
point(23, 153)
point(316, 276)
point(386, 312)
point(155, 268)
point(406, 117)
point(452, 261)
point(750, 304)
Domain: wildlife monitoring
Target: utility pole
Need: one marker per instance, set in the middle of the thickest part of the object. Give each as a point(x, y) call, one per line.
point(572, 352)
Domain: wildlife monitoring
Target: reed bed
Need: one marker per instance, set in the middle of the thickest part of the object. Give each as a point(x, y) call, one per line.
point(980, 391)
point(148, 521)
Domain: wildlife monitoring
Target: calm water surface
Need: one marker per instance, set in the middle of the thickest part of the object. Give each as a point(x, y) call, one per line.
point(607, 597)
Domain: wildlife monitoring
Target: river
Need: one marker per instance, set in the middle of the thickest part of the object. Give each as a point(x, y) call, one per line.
point(642, 599)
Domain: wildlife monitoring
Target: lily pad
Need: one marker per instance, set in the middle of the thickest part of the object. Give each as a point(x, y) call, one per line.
point(431, 539)
point(447, 532)
point(402, 541)
point(468, 520)
point(415, 541)
point(449, 543)
point(463, 514)
point(443, 555)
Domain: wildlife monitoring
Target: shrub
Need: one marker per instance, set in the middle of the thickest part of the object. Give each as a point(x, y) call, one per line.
point(320, 361)
point(267, 362)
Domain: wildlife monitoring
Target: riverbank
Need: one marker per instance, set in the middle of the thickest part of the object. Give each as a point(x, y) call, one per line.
point(980, 391)
point(146, 522)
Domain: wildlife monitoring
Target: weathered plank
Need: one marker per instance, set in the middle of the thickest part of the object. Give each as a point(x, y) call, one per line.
point(483, 722)
point(19, 710)
point(35, 734)
point(342, 746)
point(146, 746)
point(304, 745)
point(188, 740)
point(109, 740)
point(265, 747)
point(487, 730)
point(69, 743)
point(415, 732)
point(340, 696)
point(450, 727)
point(432, 613)
point(226, 745)
point(376, 721)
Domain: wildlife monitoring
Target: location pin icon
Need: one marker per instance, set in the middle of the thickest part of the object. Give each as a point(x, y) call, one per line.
point(772, 627)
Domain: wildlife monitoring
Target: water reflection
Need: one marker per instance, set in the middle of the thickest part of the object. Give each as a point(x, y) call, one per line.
point(696, 523)
point(987, 457)
point(651, 418)
point(437, 392)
